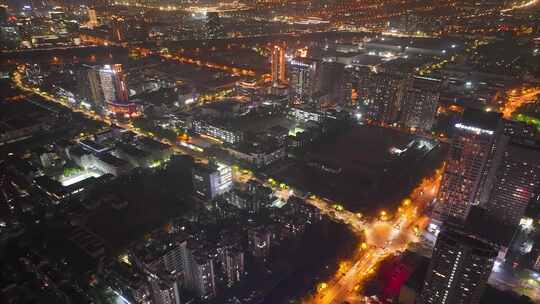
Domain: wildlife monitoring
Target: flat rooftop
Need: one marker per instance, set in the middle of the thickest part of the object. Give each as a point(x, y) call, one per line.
point(481, 119)
point(258, 124)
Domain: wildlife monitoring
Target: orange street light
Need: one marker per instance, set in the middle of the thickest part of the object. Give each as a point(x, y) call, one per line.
point(407, 202)
point(322, 286)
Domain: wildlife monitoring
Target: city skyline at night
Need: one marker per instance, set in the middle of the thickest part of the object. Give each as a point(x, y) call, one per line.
point(267, 152)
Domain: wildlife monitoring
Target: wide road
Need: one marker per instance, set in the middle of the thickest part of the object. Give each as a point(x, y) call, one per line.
point(384, 237)
point(518, 98)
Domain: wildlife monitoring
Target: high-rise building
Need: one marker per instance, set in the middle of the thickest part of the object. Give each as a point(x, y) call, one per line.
point(231, 257)
point(163, 262)
point(278, 65)
point(517, 182)
point(420, 104)
point(164, 291)
point(347, 88)
point(212, 180)
point(259, 241)
point(214, 27)
point(3, 14)
point(199, 273)
point(106, 78)
point(303, 80)
point(383, 95)
point(167, 256)
point(468, 163)
point(118, 29)
point(95, 92)
point(331, 81)
point(459, 269)
point(113, 84)
point(408, 22)
point(92, 18)
point(105, 87)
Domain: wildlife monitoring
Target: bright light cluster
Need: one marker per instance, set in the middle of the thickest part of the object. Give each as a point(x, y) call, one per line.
point(473, 129)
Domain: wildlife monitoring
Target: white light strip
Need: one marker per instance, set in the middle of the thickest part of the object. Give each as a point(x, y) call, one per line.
point(473, 129)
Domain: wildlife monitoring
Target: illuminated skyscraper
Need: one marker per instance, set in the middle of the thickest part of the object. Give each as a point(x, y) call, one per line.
point(113, 84)
point(420, 104)
point(278, 65)
point(106, 77)
point(212, 180)
point(383, 95)
point(95, 93)
point(459, 270)
point(517, 182)
point(468, 163)
point(105, 86)
point(303, 79)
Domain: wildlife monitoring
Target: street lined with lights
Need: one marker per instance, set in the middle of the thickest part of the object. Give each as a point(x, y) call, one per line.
point(384, 237)
point(518, 98)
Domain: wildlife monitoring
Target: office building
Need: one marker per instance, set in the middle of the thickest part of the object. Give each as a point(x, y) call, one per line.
point(302, 114)
point(110, 164)
point(303, 80)
point(383, 95)
point(458, 271)
point(109, 92)
point(113, 83)
point(104, 86)
point(217, 130)
point(517, 182)
point(420, 104)
point(468, 163)
point(212, 180)
point(278, 65)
